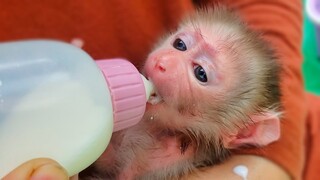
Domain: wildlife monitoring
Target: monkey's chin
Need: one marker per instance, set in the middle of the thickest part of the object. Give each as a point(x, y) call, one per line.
point(155, 98)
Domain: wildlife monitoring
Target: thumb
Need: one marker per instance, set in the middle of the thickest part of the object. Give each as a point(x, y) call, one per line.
point(38, 169)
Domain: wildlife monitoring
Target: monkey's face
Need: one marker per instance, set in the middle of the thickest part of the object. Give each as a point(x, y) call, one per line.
point(188, 72)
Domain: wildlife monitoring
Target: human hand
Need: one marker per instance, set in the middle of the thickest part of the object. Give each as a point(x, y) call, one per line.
point(38, 169)
point(257, 168)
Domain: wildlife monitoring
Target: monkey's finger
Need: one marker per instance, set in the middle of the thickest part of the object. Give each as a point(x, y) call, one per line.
point(38, 169)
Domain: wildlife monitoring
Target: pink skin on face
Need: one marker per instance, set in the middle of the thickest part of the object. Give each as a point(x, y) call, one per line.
point(172, 70)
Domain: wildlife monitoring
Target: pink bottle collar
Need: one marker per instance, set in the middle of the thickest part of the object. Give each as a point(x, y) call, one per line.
point(127, 91)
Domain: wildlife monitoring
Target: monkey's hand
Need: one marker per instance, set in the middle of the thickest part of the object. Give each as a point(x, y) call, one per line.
point(38, 169)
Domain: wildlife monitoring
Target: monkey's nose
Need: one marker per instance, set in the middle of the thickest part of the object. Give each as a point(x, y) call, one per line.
point(160, 66)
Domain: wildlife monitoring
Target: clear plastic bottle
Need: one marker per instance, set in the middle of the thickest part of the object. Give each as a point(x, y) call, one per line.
point(56, 102)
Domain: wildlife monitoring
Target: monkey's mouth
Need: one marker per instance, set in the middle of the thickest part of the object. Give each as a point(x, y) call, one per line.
point(155, 98)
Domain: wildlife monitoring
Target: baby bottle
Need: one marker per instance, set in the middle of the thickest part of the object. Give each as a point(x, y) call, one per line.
point(56, 102)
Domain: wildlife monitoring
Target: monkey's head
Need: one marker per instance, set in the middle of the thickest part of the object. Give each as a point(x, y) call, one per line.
point(217, 79)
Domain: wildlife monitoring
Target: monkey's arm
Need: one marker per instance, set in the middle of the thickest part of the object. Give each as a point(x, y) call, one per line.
point(281, 24)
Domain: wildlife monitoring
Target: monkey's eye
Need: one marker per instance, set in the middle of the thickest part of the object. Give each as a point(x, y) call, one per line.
point(179, 44)
point(200, 74)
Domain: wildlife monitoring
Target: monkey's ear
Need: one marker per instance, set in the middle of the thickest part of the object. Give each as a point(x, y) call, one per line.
point(264, 130)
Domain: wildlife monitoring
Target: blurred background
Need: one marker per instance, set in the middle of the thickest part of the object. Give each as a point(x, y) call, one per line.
point(311, 48)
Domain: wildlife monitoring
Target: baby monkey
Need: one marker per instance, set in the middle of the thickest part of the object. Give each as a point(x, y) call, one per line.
point(217, 89)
